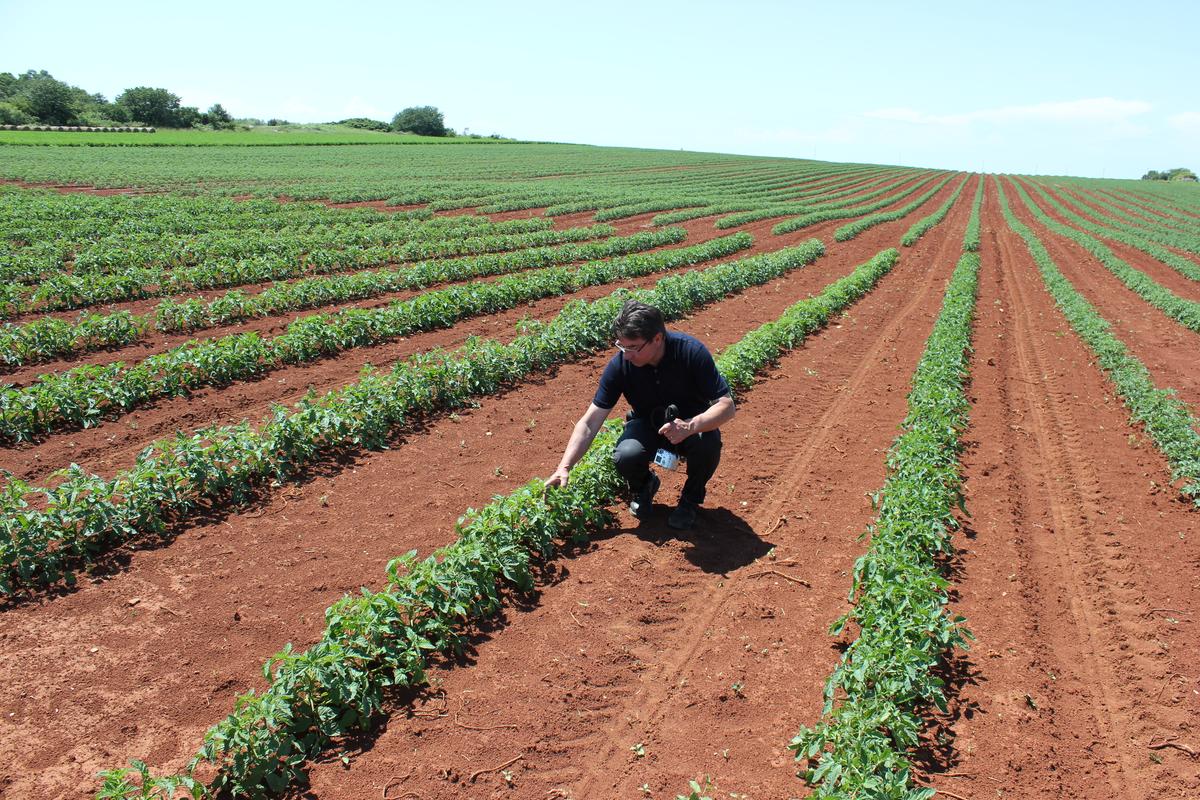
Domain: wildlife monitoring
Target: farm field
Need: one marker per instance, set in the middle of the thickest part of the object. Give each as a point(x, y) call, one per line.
point(242, 383)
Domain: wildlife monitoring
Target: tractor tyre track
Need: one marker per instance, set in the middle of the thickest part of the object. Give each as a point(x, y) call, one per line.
point(1064, 557)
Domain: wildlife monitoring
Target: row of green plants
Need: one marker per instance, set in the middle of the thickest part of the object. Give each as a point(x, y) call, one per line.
point(852, 229)
point(814, 217)
point(1176, 210)
point(926, 224)
point(1125, 234)
point(1144, 211)
point(150, 250)
point(84, 395)
point(645, 207)
point(68, 291)
point(1109, 213)
point(1185, 312)
point(86, 515)
point(49, 338)
point(375, 642)
point(584, 204)
point(971, 237)
point(889, 184)
point(674, 217)
point(1167, 419)
point(28, 215)
point(194, 314)
point(885, 680)
point(190, 236)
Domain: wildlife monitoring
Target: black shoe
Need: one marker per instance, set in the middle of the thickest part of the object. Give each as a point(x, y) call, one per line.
point(643, 498)
point(684, 515)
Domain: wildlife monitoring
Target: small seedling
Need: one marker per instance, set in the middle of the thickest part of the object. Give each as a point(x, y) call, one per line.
point(638, 750)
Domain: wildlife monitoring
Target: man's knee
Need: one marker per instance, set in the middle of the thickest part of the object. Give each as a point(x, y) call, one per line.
point(706, 447)
point(631, 457)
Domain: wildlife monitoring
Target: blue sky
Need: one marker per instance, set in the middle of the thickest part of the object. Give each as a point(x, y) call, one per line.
point(1081, 88)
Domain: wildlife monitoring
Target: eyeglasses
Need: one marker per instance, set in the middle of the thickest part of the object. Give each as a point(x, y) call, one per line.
point(628, 350)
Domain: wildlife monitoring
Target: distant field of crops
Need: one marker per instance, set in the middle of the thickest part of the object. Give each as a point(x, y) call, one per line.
point(207, 337)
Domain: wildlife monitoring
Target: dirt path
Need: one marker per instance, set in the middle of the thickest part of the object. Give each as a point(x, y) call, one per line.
point(1179, 284)
point(1167, 348)
point(140, 663)
point(114, 443)
point(645, 636)
point(1070, 563)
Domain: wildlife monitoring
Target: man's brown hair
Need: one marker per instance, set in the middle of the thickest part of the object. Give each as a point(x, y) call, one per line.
point(638, 321)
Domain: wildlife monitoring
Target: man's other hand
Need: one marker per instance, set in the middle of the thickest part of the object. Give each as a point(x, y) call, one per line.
point(676, 431)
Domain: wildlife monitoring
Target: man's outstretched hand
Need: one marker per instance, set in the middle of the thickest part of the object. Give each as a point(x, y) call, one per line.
point(559, 478)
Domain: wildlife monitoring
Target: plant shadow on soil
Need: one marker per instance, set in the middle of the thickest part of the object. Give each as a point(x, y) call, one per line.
point(936, 751)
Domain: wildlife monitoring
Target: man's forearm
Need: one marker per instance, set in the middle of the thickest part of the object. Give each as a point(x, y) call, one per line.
point(577, 445)
point(714, 417)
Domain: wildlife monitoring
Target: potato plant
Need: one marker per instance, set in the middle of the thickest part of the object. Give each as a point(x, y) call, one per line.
point(1127, 234)
point(85, 515)
point(852, 229)
point(83, 395)
point(1185, 312)
point(1169, 422)
point(48, 338)
point(874, 698)
point(924, 225)
point(842, 212)
point(376, 641)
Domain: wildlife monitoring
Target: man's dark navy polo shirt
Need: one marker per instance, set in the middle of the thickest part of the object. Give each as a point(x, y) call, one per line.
point(686, 376)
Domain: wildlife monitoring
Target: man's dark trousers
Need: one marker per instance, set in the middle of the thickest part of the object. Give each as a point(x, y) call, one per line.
point(639, 442)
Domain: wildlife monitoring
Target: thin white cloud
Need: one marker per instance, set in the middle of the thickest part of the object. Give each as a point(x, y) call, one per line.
point(1091, 110)
point(1188, 122)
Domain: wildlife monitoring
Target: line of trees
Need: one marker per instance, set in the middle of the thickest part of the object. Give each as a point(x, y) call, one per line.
point(38, 98)
point(1177, 174)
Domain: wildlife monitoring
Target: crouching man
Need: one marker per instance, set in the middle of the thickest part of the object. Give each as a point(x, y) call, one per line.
point(656, 369)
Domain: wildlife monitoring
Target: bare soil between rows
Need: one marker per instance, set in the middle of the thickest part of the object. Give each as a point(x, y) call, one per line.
point(1077, 570)
point(139, 663)
point(120, 437)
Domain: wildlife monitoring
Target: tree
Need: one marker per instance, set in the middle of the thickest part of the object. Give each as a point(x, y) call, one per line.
point(151, 106)
point(218, 117)
point(366, 123)
point(11, 115)
point(51, 101)
point(425, 120)
point(8, 85)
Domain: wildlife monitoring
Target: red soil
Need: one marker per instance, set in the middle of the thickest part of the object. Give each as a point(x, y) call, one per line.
point(1078, 571)
point(1166, 347)
point(1075, 571)
point(179, 630)
point(114, 443)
